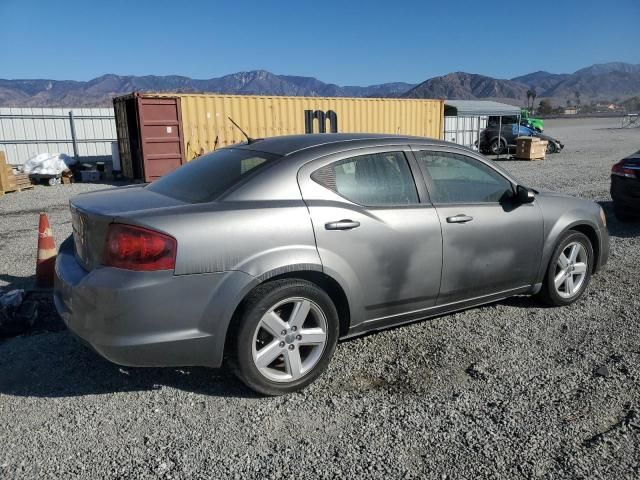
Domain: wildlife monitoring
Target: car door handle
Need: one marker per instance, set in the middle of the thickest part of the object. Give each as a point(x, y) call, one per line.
point(342, 225)
point(460, 218)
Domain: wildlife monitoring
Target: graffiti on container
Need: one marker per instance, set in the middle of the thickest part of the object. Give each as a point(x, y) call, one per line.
point(322, 117)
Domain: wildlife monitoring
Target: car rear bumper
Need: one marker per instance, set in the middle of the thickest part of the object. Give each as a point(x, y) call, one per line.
point(146, 318)
point(625, 192)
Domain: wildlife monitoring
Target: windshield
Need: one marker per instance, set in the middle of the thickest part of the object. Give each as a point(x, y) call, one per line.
point(206, 178)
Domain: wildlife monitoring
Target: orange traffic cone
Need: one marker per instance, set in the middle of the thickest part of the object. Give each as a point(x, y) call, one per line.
point(46, 253)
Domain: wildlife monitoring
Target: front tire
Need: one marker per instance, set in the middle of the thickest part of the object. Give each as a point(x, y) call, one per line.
point(552, 148)
point(286, 337)
point(569, 270)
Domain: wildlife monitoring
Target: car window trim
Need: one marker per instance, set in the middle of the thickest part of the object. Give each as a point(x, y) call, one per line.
point(423, 198)
point(429, 181)
point(458, 149)
point(418, 177)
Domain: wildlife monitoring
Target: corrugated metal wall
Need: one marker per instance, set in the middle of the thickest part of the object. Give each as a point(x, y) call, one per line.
point(204, 117)
point(26, 132)
point(463, 130)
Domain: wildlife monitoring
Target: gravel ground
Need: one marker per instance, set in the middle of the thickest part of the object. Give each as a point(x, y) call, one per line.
point(510, 390)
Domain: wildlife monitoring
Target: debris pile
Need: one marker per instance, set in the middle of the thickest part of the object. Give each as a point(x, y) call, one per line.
point(17, 314)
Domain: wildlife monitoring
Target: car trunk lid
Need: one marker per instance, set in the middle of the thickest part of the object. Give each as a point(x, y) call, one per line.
point(92, 213)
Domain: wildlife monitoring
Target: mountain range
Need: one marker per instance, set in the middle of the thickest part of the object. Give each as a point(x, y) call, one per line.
point(610, 81)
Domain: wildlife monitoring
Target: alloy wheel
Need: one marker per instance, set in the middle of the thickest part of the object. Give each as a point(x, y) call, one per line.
point(289, 339)
point(571, 270)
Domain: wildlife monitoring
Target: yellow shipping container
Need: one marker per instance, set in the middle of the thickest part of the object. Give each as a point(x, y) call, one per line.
point(205, 117)
point(158, 132)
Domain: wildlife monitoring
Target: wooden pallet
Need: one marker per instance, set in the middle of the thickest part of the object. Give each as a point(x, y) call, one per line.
point(17, 188)
point(10, 181)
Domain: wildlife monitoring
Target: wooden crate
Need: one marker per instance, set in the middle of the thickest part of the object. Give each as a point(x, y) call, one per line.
point(531, 148)
point(10, 181)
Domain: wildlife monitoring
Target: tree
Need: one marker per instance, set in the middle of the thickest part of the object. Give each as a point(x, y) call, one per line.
point(577, 94)
point(545, 107)
point(534, 94)
point(568, 102)
point(528, 97)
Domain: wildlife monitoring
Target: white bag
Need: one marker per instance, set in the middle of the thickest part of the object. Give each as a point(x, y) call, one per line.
point(48, 163)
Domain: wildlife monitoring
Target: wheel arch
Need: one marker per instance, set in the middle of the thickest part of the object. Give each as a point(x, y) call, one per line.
point(590, 232)
point(557, 231)
point(315, 276)
point(331, 287)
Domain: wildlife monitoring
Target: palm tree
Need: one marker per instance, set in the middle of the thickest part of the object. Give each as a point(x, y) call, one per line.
point(577, 94)
point(528, 97)
point(533, 98)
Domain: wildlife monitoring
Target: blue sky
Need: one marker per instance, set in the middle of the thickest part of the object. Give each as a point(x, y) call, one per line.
point(345, 42)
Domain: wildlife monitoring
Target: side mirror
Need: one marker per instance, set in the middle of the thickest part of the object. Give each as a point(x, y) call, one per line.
point(524, 195)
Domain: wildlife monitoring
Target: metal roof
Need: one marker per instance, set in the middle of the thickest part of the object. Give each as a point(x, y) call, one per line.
point(478, 108)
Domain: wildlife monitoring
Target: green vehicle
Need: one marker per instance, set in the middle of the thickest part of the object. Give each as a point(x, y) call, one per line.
point(527, 121)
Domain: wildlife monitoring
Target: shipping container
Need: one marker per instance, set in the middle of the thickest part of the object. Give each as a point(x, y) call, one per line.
point(149, 132)
point(202, 123)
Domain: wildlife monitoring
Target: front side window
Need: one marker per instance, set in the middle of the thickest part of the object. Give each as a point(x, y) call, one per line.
point(373, 179)
point(460, 179)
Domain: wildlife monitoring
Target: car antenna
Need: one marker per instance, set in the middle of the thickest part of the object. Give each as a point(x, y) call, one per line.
point(249, 139)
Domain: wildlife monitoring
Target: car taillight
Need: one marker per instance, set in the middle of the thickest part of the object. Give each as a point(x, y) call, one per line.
point(620, 170)
point(137, 248)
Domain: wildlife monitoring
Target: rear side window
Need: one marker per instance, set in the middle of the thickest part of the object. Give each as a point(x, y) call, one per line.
point(207, 177)
point(375, 179)
point(461, 179)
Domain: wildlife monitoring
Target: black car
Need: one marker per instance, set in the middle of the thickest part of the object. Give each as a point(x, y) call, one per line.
point(494, 143)
point(625, 188)
point(511, 119)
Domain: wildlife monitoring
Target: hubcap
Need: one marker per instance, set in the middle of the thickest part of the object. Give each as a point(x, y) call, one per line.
point(571, 270)
point(289, 339)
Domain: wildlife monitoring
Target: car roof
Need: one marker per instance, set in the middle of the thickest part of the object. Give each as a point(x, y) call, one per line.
point(288, 144)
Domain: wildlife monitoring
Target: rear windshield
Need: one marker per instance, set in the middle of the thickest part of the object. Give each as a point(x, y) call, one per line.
point(207, 177)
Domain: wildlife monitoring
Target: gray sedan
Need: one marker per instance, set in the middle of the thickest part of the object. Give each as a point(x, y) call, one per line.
point(261, 256)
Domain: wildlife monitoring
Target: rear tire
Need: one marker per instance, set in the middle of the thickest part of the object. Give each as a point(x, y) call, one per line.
point(286, 337)
point(498, 146)
point(569, 270)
